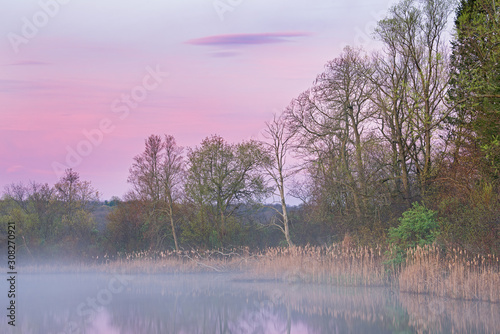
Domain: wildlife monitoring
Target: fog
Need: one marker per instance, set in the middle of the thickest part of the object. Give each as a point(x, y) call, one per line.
point(230, 303)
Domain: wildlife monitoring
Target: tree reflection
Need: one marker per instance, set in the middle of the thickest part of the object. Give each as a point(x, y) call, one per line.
point(216, 304)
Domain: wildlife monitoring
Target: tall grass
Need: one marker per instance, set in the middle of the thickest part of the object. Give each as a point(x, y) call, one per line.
point(454, 274)
point(338, 264)
point(427, 270)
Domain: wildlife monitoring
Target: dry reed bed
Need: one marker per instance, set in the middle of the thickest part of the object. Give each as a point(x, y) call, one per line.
point(176, 262)
point(338, 265)
point(455, 274)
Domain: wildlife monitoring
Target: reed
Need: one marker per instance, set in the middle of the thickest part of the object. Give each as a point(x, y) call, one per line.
point(454, 274)
point(338, 265)
point(427, 270)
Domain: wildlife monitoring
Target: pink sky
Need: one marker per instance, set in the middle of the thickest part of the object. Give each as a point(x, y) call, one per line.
point(65, 66)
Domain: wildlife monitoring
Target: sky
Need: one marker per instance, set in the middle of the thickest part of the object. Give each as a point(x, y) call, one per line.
point(83, 83)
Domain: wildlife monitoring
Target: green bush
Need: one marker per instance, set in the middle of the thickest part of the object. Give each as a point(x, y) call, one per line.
point(417, 227)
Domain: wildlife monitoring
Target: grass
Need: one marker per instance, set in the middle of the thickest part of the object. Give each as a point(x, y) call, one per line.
point(452, 274)
point(338, 265)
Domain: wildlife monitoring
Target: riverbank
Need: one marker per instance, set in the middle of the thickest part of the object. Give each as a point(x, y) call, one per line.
point(427, 270)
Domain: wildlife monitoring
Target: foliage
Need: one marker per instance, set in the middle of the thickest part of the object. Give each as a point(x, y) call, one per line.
point(472, 220)
point(54, 220)
point(475, 85)
point(418, 227)
point(372, 135)
point(221, 177)
point(124, 231)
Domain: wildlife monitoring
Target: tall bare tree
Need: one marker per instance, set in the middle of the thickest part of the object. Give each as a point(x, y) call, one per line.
point(172, 168)
point(278, 147)
point(146, 169)
point(415, 31)
point(157, 176)
point(333, 122)
point(391, 97)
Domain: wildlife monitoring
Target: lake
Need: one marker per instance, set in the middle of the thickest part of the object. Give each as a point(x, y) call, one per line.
point(230, 303)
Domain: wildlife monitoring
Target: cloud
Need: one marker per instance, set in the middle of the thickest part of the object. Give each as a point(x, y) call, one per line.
point(29, 63)
point(247, 39)
point(24, 86)
point(14, 168)
point(225, 53)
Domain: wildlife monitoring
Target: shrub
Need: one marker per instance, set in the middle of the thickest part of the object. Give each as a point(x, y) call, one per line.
point(417, 227)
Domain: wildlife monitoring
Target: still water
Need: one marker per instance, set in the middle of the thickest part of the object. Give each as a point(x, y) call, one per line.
point(208, 303)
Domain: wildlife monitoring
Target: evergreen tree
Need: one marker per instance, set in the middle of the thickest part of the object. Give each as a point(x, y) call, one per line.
point(475, 84)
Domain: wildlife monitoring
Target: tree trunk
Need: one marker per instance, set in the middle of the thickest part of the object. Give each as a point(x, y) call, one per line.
point(171, 214)
point(285, 216)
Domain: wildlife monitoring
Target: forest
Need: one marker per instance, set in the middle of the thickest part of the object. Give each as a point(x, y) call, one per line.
point(396, 148)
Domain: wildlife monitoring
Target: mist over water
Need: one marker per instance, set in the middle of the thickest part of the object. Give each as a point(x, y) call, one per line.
point(230, 303)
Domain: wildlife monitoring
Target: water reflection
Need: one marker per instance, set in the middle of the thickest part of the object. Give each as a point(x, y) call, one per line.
point(230, 304)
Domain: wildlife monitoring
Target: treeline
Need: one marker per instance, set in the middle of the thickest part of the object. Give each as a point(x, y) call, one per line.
point(52, 221)
point(415, 122)
point(68, 220)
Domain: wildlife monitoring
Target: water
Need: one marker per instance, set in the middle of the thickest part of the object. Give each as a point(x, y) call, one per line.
point(208, 303)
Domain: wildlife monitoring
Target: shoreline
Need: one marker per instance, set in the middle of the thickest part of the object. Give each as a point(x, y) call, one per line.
point(426, 271)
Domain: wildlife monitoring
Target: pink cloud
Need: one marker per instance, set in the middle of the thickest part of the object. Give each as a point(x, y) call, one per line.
point(29, 63)
point(247, 39)
point(14, 168)
point(225, 53)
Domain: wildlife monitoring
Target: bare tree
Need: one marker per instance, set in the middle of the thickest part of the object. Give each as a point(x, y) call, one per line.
point(172, 176)
point(75, 194)
point(278, 147)
point(333, 120)
point(77, 199)
point(19, 193)
point(146, 169)
point(156, 176)
point(391, 97)
point(42, 198)
point(414, 31)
